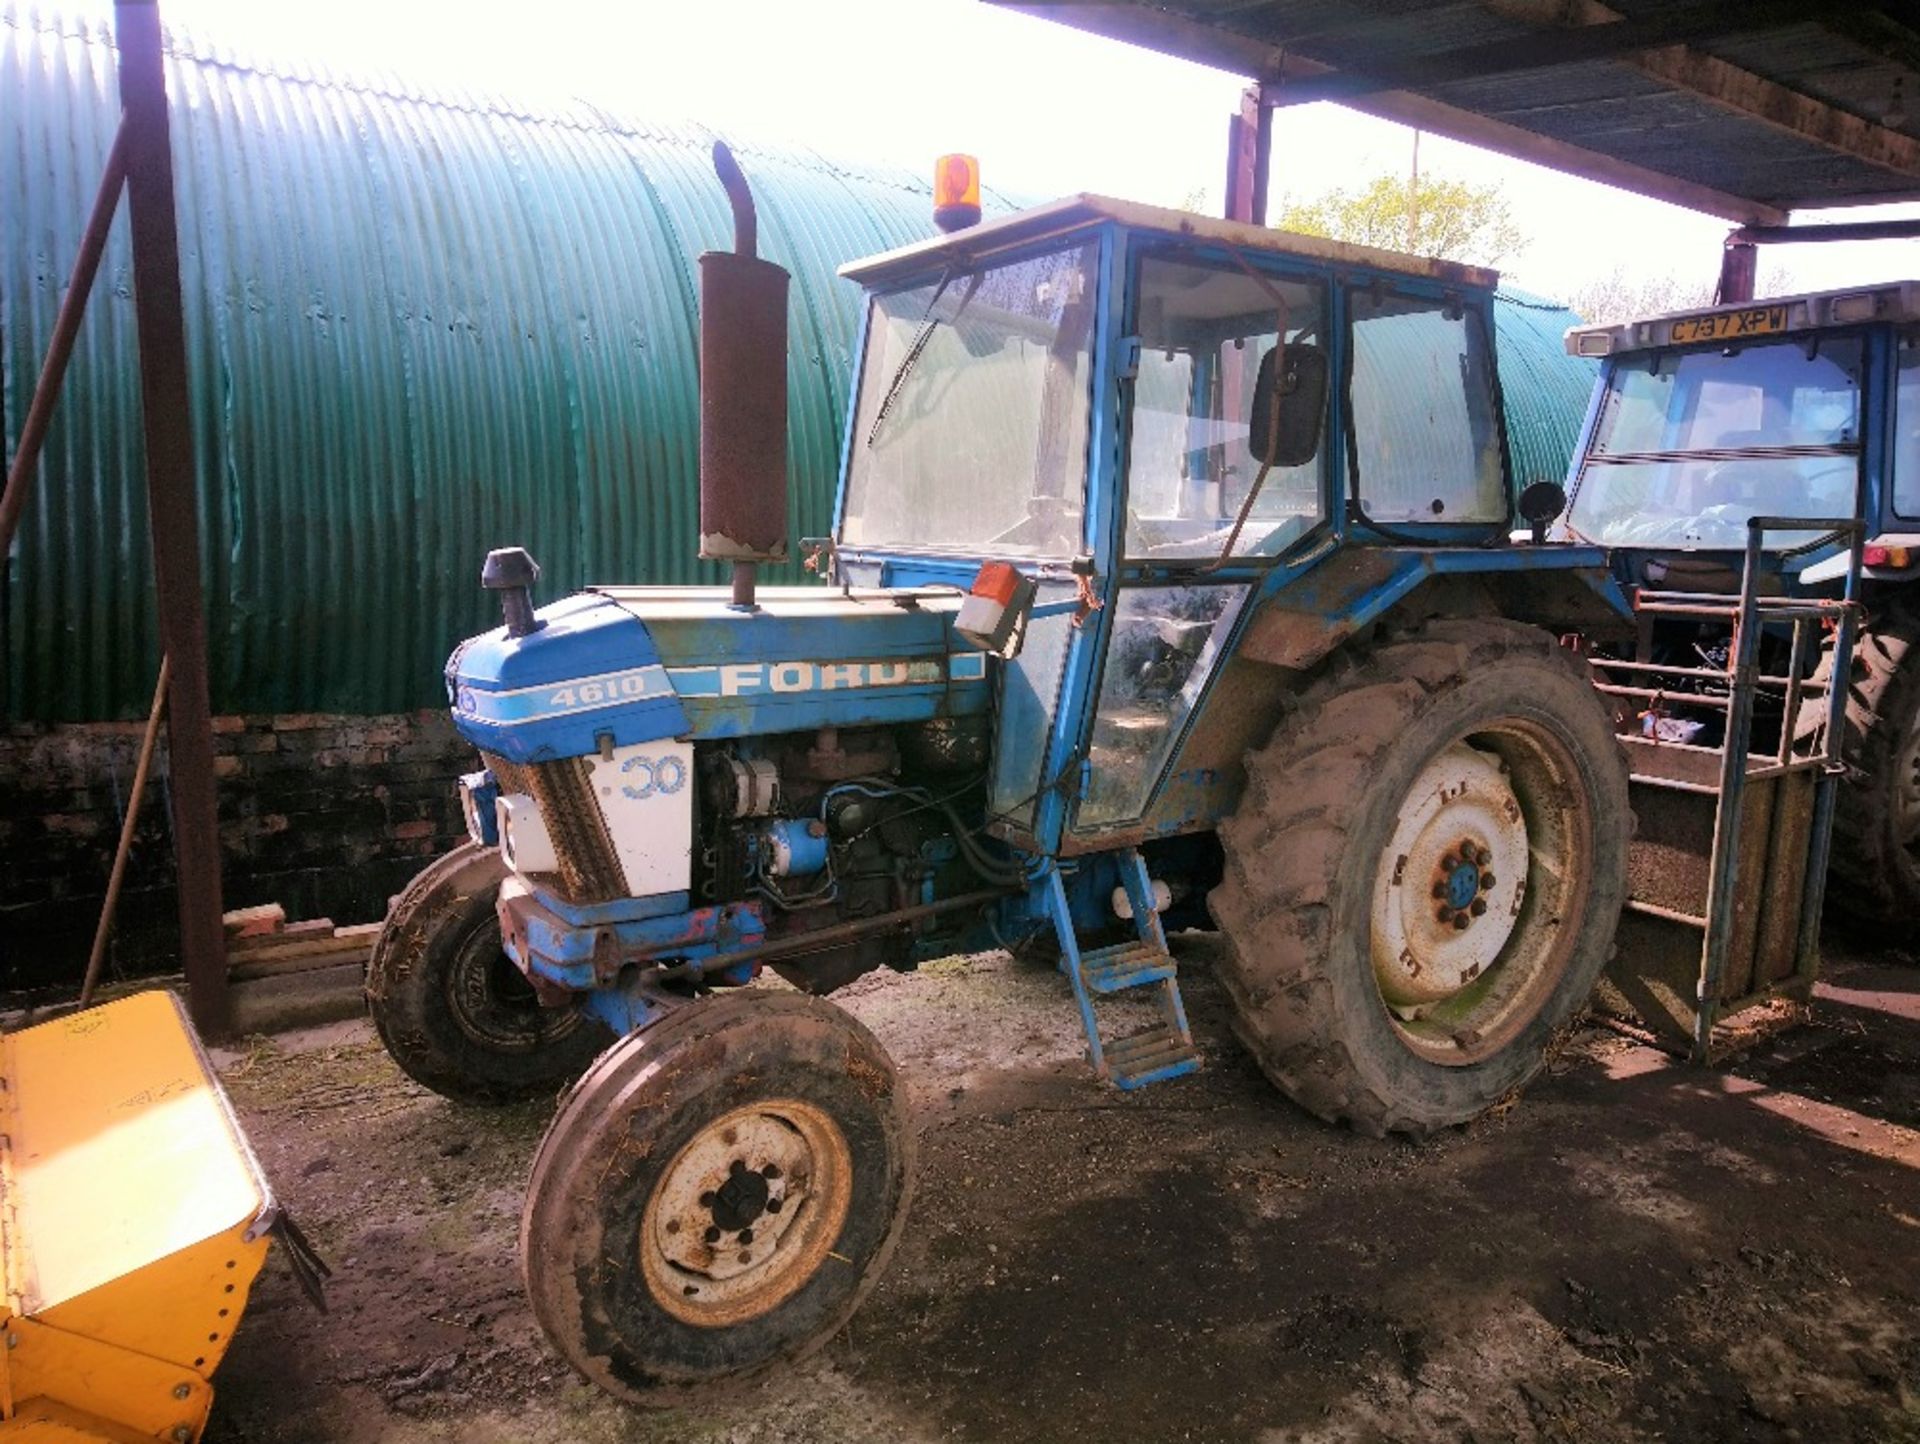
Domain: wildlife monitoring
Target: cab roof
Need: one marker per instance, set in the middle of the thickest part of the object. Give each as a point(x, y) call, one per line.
point(1892, 301)
point(1061, 216)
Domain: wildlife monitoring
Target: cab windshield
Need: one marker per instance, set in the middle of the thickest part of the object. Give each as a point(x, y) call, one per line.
point(970, 426)
point(1689, 446)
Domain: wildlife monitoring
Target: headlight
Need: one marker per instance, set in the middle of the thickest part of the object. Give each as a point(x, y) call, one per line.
point(478, 796)
point(523, 835)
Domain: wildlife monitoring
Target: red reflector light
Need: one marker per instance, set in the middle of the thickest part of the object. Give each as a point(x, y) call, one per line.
point(1876, 555)
point(997, 581)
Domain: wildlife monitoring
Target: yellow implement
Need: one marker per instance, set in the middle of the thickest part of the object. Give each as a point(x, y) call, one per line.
point(133, 1219)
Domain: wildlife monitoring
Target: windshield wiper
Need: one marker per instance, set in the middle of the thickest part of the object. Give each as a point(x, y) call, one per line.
point(929, 323)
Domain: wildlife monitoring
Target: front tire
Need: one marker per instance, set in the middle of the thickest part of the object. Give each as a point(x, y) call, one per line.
point(449, 1004)
point(1424, 877)
point(716, 1195)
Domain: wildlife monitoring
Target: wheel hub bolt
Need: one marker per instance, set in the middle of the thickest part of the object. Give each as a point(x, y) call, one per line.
point(1461, 921)
point(1479, 906)
point(740, 1200)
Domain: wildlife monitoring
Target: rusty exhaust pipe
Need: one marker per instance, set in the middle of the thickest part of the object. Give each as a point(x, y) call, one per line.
point(743, 397)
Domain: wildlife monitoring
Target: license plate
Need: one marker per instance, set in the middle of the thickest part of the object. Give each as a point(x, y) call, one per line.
point(1730, 325)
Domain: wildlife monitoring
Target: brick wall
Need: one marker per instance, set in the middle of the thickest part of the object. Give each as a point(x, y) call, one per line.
point(327, 815)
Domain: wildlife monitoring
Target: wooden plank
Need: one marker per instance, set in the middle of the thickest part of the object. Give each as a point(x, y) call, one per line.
point(331, 945)
point(276, 965)
point(252, 922)
point(1242, 55)
point(299, 1000)
point(291, 933)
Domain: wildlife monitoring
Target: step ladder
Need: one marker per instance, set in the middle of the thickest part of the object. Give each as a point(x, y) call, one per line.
point(1730, 850)
point(1165, 1048)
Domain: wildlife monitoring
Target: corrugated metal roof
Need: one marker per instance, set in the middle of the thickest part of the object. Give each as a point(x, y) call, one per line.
point(420, 324)
point(1756, 110)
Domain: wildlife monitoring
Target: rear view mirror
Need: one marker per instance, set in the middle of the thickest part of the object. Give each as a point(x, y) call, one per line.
point(1539, 504)
point(1289, 405)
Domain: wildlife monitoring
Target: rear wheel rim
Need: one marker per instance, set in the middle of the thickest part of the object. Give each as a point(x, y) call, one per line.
point(494, 1005)
point(1477, 897)
point(746, 1213)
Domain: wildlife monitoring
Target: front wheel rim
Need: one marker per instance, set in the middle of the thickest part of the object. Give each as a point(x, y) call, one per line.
point(746, 1213)
point(493, 1003)
point(1472, 934)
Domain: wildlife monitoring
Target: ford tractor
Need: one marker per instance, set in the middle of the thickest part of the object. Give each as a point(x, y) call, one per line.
point(1170, 585)
point(1801, 408)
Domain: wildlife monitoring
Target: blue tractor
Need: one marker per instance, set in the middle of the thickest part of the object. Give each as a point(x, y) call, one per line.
point(1800, 407)
point(1170, 586)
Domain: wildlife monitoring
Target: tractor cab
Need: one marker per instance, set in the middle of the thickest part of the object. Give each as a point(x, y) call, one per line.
point(1160, 420)
point(1804, 406)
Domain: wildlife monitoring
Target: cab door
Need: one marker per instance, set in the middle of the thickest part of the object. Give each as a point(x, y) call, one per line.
point(1207, 519)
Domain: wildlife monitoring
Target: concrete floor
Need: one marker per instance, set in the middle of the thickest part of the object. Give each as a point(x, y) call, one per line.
point(1635, 1251)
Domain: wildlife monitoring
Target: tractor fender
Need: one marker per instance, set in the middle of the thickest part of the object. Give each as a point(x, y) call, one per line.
point(1302, 624)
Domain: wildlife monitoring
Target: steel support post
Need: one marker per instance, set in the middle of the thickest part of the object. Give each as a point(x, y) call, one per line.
point(1739, 265)
point(1249, 151)
point(173, 514)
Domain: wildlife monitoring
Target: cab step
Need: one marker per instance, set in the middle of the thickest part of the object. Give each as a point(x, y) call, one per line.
point(1165, 1048)
point(1150, 1056)
point(1127, 965)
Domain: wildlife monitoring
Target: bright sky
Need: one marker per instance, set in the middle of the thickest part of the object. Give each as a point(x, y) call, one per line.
point(1047, 109)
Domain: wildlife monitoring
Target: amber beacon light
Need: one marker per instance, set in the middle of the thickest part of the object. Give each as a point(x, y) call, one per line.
point(956, 192)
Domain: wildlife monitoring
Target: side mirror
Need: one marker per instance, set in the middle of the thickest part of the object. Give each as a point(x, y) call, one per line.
point(1289, 405)
point(1539, 504)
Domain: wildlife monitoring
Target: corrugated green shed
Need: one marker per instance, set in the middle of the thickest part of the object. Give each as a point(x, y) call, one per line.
point(419, 325)
point(1544, 390)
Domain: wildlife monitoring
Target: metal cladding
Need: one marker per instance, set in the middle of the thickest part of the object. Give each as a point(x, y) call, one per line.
point(420, 325)
point(1543, 400)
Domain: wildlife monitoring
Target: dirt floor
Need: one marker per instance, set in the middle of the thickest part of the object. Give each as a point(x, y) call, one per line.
point(1635, 1251)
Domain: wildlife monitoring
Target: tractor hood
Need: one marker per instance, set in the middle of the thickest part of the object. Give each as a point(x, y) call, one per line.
point(641, 663)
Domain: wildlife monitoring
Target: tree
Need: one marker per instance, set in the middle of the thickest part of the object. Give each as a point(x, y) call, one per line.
point(1615, 297)
point(1454, 220)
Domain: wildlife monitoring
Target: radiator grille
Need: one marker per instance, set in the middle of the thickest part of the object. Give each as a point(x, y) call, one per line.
point(589, 868)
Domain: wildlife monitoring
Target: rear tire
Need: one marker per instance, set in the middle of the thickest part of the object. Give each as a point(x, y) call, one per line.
point(451, 1007)
point(1469, 757)
point(717, 1195)
point(1874, 877)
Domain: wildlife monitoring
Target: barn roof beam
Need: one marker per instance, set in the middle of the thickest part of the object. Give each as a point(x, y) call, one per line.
point(1546, 49)
point(1190, 39)
point(1741, 92)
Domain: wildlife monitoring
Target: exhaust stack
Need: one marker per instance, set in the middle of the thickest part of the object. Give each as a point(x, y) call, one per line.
point(743, 397)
